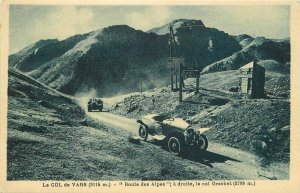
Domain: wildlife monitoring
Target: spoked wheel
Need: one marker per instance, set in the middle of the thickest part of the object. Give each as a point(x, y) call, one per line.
point(175, 145)
point(202, 142)
point(143, 132)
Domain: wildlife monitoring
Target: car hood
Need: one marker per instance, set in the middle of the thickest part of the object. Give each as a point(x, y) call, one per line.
point(176, 122)
point(150, 116)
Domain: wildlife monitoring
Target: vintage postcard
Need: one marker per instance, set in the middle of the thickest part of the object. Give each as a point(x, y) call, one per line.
point(171, 96)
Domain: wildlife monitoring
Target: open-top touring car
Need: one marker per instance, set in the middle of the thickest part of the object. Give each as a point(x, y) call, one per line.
point(95, 104)
point(175, 131)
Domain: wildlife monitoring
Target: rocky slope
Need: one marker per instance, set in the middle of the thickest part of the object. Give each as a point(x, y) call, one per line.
point(199, 45)
point(33, 56)
point(109, 60)
point(260, 49)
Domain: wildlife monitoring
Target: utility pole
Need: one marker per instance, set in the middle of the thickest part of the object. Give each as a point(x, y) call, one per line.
point(197, 82)
point(180, 82)
point(173, 54)
point(197, 77)
point(172, 83)
point(176, 80)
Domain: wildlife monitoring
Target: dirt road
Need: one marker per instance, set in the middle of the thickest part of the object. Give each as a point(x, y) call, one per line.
point(227, 160)
point(116, 121)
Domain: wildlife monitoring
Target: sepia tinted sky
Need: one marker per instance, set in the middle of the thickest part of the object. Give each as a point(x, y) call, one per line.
point(30, 23)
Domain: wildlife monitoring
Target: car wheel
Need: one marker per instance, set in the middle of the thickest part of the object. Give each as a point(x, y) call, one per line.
point(202, 142)
point(175, 145)
point(89, 109)
point(143, 133)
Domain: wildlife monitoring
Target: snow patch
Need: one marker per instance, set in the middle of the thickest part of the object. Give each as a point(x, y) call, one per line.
point(35, 51)
point(177, 24)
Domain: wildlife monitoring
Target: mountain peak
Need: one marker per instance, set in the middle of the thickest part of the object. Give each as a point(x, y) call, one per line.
point(162, 30)
point(118, 28)
point(37, 44)
point(241, 37)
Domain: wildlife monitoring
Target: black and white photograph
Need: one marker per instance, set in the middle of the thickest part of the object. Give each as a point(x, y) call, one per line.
point(148, 93)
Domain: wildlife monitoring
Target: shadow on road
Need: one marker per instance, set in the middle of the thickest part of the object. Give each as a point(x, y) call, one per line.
point(195, 102)
point(207, 157)
point(212, 101)
point(95, 111)
point(204, 157)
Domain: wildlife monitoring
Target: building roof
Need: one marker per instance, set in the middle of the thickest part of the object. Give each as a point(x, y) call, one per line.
point(247, 66)
point(250, 66)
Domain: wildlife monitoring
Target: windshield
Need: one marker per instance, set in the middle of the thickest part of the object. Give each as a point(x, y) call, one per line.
point(161, 117)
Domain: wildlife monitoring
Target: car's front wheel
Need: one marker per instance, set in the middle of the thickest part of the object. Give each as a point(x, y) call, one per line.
point(175, 145)
point(202, 142)
point(143, 133)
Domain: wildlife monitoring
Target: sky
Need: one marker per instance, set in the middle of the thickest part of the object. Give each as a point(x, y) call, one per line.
point(31, 23)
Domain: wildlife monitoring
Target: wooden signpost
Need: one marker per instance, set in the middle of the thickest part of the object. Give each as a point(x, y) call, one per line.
point(192, 73)
point(179, 72)
point(174, 65)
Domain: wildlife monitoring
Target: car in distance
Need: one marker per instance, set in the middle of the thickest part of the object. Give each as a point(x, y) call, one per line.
point(177, 133)
point(95, 104)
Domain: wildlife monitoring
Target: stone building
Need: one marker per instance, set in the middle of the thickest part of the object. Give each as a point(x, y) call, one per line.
point(252, 80)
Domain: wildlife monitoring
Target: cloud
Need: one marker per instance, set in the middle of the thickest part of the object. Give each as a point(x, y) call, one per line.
point(149, 17)
point(85, 19)
point(29, 24)
point(270, 21)
point(63, 22)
